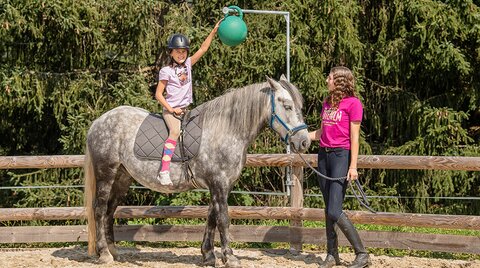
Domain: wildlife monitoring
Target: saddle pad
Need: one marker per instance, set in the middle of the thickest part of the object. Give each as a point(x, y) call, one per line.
point(153, 132)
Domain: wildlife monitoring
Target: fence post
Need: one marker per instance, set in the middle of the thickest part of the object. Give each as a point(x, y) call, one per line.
point(296, 201)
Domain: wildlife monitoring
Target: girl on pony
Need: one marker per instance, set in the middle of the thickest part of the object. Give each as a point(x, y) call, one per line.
point(174, 91)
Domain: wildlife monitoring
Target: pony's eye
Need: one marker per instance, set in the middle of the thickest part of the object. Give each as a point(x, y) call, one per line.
point(288, 107)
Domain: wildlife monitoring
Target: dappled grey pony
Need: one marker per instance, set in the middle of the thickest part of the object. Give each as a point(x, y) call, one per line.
point(230, 124)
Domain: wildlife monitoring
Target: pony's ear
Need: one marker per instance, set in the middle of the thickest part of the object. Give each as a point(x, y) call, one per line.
point(273, 84)
point(283, 78)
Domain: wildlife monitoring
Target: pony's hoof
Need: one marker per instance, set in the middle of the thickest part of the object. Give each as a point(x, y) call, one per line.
point(113, 251)
point(209, 260)
point(105, 259)
point(232, 262)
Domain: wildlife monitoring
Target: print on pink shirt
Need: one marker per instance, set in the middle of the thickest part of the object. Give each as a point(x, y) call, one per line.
point(332, 116)
point(336, 122)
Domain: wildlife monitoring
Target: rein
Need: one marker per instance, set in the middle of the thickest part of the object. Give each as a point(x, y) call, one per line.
point(290, 131)
point(360, 196)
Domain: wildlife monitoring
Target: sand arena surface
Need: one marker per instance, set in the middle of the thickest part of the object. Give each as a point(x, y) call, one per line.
point(191, 257)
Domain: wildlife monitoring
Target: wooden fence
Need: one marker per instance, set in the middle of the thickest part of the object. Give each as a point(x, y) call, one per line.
point(295, 234)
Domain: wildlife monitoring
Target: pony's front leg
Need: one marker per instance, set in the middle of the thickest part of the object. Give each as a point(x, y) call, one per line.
point(223, 224)
point(209, 237)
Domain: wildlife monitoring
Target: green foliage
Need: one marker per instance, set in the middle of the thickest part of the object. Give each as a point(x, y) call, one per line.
point(191, 198)
point(56, 197)
point(64, 63)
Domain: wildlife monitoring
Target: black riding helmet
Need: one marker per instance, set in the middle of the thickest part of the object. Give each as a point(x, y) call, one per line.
point(178, 41)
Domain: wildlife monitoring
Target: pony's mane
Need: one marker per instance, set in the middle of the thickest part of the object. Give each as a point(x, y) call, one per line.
point(241, 109)
point(238, 109)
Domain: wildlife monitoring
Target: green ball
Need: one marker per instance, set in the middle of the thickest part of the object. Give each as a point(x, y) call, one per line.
point(233, 30)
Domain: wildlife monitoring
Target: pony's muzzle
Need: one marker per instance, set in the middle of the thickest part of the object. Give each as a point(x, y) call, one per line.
point(300, 142)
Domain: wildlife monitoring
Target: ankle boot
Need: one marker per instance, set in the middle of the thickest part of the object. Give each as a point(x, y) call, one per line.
point(330, 261)
point(332, 257)
point(362, 259)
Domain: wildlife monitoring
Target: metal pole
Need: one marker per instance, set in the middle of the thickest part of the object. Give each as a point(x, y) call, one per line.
point(287, 18)
point(289, 182)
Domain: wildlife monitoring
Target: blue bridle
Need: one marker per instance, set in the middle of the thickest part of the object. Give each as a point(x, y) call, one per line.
point(290, 131)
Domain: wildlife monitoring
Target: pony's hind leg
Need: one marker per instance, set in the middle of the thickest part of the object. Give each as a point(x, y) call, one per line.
point(105, 180)
point(119, 190)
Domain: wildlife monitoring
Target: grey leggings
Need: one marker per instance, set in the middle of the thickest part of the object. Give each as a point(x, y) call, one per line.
point(333, 164)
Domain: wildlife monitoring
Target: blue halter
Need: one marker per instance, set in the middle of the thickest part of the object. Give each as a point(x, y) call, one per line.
point(290, 131)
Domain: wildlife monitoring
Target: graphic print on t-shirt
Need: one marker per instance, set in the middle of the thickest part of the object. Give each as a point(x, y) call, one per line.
point(331, 116)
point(182, 74)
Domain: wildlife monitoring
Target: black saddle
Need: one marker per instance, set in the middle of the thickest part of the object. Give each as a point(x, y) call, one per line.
point(153, 132)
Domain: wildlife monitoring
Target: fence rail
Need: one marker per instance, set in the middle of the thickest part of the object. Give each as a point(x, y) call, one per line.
point(240, 212)
point(275, 160)
point(295, 234)
point(244, 233)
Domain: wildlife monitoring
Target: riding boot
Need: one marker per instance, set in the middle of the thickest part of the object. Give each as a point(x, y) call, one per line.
point(362, 258)
point(332, 257)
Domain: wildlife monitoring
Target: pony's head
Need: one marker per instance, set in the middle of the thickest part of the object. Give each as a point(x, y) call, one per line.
point(286, 116)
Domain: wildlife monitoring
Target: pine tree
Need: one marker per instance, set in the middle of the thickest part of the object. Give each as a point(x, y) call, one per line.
point(64, 63)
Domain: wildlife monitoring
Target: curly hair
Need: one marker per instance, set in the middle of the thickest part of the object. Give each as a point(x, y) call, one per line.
point(344, 85)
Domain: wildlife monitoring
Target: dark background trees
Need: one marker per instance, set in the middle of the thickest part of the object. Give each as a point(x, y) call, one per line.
point(63, 63)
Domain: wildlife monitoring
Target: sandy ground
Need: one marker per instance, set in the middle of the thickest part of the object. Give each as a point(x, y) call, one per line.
point(191, 257)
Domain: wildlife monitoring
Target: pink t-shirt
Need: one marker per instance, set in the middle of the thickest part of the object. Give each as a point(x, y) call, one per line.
point(336, 122)
point(179, 84)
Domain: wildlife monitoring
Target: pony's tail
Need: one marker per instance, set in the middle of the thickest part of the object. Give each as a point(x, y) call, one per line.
point(90, 192)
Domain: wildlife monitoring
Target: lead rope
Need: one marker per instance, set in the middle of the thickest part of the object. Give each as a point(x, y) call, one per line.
point(361, 197)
